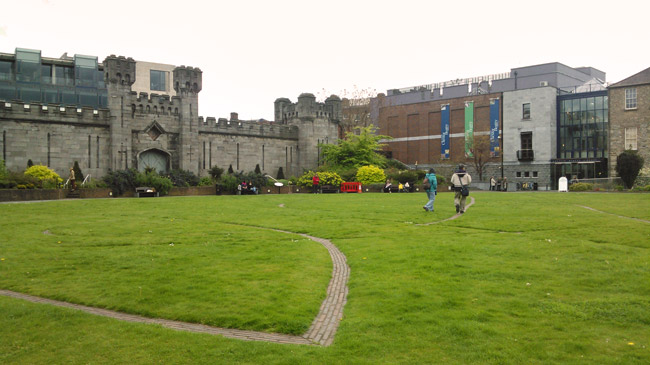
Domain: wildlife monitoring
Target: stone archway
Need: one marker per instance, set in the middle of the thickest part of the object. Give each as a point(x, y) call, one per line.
point(154, 158)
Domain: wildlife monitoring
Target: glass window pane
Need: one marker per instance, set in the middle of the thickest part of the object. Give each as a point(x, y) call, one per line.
point(157, 79)
point(7, 92)
point(6, 72)
point(29, 94)
point(599, 102)
point(68, 97)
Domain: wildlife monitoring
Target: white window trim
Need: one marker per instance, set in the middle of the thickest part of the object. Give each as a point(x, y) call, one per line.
point(633, 140)
point(636, 100)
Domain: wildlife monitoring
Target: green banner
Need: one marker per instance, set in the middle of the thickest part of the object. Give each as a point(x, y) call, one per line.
point(469, 128)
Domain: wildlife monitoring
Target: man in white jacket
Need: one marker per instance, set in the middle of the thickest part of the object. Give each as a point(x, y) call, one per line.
point(459, 179)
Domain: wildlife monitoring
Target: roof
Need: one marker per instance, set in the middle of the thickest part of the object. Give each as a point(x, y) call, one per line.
point(641, 78)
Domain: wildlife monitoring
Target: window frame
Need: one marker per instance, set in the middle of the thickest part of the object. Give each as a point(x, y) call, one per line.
point(631, 139)
point(629, 99)
point(162, 74)
point(525, 116)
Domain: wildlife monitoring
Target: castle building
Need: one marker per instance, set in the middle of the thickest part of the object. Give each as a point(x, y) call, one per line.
point(509, 121)
point(57, 111)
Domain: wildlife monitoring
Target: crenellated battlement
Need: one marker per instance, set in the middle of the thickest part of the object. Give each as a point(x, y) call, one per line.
point(53, 113)
point(119, 70)
point(153, 103)
point(188, 79)
point(307, 108)
point(247, 128)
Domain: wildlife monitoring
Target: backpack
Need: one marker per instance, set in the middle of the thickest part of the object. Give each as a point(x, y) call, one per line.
point(426, 184)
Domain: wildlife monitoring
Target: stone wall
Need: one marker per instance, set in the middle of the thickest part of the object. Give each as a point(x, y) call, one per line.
point(56, 137)
point(620, 118)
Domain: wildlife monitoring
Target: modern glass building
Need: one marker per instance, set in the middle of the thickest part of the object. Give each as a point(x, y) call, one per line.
point(582, 126)
point(67, 81)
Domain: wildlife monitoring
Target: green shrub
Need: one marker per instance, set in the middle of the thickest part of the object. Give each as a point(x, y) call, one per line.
point(229, 183)
point(280, 174)
point(326, 178)
point(121, 181)
point(619, 188)
point(78, 175)
point(628, 166)
point(370, 175)
point(581, 187)
point(206, 181)
point(3, 170)
point(43, 173)
point(402, 176)
point(183, 178)
point(216, 172)
point(162, 184)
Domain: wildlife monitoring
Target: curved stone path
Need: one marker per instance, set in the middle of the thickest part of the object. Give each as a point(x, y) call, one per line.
point(321, 332)
point(615, 215)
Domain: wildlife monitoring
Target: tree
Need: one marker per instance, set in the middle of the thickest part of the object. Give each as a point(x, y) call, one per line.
point(356, 150)
point(280, 174)
point(78, 175)
point(230, 170)
point(216, 172)
point(628, 165)
point(355, 107)
point(480, 148)
point(30, 163)
point(258, 170)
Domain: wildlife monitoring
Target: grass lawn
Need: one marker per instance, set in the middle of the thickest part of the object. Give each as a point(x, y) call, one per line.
point(520, 278)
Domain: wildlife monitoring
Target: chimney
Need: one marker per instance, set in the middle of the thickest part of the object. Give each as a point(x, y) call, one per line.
point(234, 117)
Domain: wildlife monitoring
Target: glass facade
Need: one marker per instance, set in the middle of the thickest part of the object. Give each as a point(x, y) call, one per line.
point(582, 140)
point(31, 79)
point(157, 80)
point(582, 126)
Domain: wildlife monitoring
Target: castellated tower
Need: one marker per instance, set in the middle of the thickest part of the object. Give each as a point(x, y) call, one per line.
point(316, 122)
point(188, 83)
point(119, 73)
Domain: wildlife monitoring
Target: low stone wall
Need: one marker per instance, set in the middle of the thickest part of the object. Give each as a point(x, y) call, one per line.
point(9, 195)
point(193, 190)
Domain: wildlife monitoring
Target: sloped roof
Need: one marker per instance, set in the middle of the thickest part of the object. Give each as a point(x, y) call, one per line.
point(641, 78)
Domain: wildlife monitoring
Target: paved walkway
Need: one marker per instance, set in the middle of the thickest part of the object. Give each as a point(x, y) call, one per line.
point(321, 332)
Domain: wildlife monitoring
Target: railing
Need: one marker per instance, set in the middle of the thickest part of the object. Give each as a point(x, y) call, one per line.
point(525, 155)
point(86, 179)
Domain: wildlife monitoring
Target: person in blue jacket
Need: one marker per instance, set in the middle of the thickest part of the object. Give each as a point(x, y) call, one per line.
point(432, 191)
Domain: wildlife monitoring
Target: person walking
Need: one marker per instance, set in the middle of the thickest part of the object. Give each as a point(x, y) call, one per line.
point(432, 190)
point(314, 183)
point(460, 179)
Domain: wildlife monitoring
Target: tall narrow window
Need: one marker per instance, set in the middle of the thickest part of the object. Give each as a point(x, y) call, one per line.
point(97, 159)
point(237, 156)
point(210, 153)
point(48, 150)
point(263, 168)
point(525, 111)
point(90, 165)
point(527, 141)
point(4, 145)
point(630, 139)
point(630, 98)
point(204, 155)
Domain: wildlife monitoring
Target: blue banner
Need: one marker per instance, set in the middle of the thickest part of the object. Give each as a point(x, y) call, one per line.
point(494, 128)
point(444, 131)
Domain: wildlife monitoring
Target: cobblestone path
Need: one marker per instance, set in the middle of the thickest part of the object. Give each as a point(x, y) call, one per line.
point(321, 332)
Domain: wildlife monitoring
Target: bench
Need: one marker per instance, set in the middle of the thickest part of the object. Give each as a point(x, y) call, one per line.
point(145, 192)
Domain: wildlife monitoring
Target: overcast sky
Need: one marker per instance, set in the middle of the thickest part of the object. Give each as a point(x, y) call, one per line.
point(253, 52)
